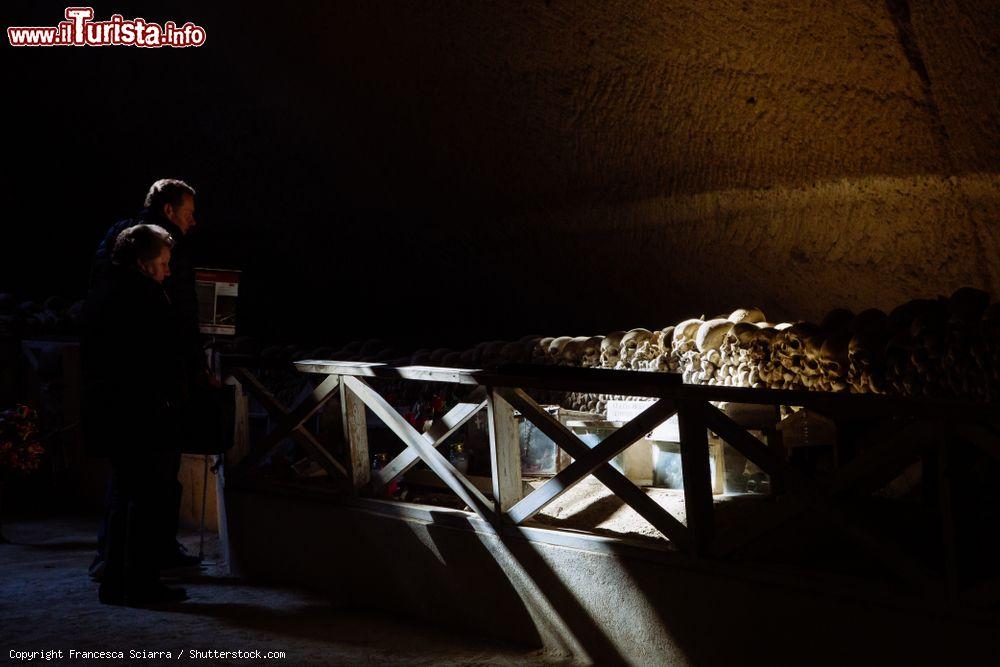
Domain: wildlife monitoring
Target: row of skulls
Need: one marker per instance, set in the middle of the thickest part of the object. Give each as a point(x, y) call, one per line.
point(949, 346)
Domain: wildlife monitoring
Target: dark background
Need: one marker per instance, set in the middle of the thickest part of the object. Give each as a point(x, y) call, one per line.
point(449, 172)
point(303, 182)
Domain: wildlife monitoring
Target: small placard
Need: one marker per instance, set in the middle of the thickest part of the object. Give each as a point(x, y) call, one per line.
point(217, 291)
point(624, 411)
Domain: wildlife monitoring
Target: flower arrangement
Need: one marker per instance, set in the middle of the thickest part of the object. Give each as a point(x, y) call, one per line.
point(20, 448)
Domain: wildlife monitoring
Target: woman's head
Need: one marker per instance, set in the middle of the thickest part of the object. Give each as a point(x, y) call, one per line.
point(145, 247)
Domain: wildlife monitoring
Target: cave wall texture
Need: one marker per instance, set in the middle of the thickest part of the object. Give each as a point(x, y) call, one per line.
point(650, 160)
point(679, 156)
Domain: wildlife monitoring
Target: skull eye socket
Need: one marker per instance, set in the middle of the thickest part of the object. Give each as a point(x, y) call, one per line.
point(794, 344)
point(833, 366)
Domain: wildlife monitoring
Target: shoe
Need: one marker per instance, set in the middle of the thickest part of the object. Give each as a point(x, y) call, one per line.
point(178, 557)
point(154, 594)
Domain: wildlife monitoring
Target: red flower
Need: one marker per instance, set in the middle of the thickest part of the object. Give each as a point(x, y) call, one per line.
point(20, 450)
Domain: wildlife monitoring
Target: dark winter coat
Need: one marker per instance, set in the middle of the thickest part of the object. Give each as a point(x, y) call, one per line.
point(132, 363)
point(179, 286)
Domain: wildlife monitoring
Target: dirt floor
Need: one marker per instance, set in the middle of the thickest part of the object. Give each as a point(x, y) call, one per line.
point(591, 506)
point(47, 602)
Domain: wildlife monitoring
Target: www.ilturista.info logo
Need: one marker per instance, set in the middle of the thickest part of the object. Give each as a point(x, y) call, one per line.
point(79, 29)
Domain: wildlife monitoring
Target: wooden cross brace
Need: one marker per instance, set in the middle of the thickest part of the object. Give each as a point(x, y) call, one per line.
point(440, 431)
point(595, 461)
point(292, 423)
point(425, 450)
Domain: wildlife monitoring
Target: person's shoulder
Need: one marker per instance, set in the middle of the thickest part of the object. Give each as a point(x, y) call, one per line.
point(124, 224)
point(108, 240)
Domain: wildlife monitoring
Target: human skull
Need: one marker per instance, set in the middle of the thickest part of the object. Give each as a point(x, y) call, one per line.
point(684, 335)
point(572, 352)
point(590, 353)
point(489, 353)
point(736, 343)
point(748, 315)
point(610, 349)
point(630, 345)
point(929, 335)
point(834, 360)
point(540, 352)
point(864, 352)
point(811, 348)
point(665, 361)
point(968, 304)
point(665, 339)
point(871, 319)
point(436, 358)
point(792, 341)
point(711, 333)
point(761, 344)
point(903, 316)
point(555, 350)
point(516, 352)
point(742, 335)
point(467, 359)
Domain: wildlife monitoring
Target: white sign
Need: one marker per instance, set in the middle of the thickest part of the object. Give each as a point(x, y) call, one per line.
point(217, 291)
point(625, 411)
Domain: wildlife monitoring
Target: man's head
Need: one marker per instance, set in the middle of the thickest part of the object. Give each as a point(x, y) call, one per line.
point(174, 200)
point(145, 247)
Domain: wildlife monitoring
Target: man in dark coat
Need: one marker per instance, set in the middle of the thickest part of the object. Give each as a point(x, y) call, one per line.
point(133, 377)
point(169, 204)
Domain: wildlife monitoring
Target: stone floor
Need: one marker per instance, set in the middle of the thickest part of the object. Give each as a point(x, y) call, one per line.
point(47, 602)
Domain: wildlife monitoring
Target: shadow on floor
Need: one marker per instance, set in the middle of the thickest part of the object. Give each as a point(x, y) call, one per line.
point(78, 545)
point(319, 622)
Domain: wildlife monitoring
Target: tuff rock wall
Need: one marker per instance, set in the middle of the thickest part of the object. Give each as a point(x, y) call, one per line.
point(683, 156)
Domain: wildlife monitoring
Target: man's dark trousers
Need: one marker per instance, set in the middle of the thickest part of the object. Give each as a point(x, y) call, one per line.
point(134, 523)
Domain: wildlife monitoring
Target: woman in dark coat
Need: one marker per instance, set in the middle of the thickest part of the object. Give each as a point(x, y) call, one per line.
point(133, 378)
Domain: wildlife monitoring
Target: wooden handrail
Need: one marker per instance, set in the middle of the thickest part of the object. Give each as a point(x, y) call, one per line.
point(658, 385)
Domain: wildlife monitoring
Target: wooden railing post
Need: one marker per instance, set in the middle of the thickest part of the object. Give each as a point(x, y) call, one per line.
point(355, 423)
point(945, 440)
point(241, 427)
point(505, 453)
point(775, 440)
point(697, 476)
